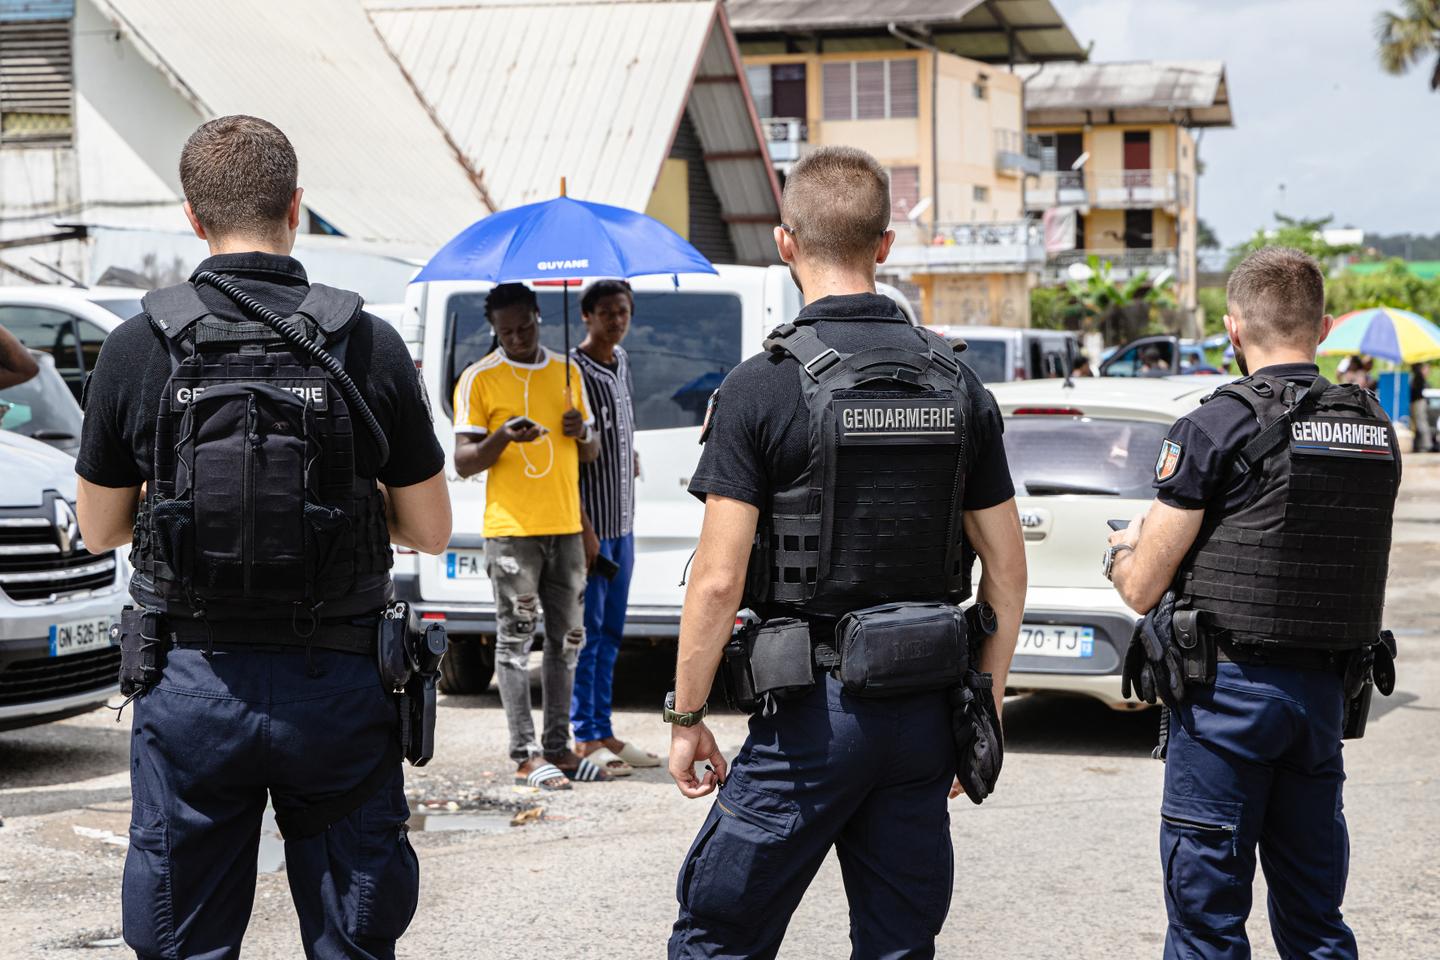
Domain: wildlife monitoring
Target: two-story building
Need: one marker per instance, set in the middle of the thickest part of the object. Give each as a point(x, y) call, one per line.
point(928, 89)
point(1119, 156)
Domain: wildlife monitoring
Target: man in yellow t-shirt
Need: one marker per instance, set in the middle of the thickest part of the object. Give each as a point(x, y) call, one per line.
point(514, 418)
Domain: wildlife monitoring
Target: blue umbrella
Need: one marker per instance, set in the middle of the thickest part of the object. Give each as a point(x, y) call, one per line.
point(565, 240)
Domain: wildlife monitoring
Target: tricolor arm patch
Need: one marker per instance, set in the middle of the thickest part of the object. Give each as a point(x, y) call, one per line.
point(1168, 462)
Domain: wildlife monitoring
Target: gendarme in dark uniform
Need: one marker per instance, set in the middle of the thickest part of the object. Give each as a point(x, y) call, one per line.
point(261, 413)
point(1297, 480)
point(821, 767)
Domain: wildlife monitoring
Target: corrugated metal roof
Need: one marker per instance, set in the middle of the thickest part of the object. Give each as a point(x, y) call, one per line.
point(979, 29)
point(592, 91)
point(371, 161)
point(1193, 90)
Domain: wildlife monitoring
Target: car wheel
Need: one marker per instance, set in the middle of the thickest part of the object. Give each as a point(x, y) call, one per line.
point(468, 666)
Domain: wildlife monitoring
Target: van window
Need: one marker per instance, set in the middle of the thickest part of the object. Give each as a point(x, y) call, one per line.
point(987, 359)
point(1051, 455)
point(681, 346)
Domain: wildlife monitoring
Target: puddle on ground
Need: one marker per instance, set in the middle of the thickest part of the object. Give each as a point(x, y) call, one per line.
point(478, 821)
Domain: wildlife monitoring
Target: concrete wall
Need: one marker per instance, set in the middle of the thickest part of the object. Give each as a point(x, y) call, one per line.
point(996, 299)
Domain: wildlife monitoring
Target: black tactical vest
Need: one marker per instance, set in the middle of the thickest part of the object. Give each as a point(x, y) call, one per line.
point(875, 516)
point(256, 510)
point(1303, 563)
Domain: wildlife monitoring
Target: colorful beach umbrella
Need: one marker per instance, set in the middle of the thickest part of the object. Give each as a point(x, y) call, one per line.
point(1387, 333)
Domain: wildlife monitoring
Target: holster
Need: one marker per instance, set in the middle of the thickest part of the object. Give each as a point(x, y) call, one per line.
point(409, 658)
point(1197, 647)
point(735, 665)
point(138, 634)
point(902, 648)
point(1372, 667)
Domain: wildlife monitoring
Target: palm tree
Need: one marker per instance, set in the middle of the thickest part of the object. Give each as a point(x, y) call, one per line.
point(1410, 36)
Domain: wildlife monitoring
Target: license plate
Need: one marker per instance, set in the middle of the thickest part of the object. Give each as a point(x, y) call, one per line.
point(77, 636)
point(465, 565)
point(1048, 640)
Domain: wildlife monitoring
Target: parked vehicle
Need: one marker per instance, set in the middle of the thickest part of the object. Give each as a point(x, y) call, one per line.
point(69, 323)
point(42, 408)
point(1171, 356)
point(56, 599)
point(1081, 455)
point(1000, 354)
point(682, 342)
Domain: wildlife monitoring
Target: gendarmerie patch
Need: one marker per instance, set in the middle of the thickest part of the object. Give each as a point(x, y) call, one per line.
point(710, 406)
point(184, 390)
point(917, 420)
point(1169, 460)
point(1337, 437)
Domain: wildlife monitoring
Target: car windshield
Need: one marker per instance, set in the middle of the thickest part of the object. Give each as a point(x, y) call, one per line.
point(41, 407)
point(681, 345)
point(1051, 456)
point(124, 309)
point(987, 359)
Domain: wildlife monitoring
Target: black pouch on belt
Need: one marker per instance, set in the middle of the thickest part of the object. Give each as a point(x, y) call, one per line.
point(900, 648)
point(142, 650)
point(781, 661)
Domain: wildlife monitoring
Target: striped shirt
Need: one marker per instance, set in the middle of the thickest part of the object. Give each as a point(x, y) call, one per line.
point(607, 484)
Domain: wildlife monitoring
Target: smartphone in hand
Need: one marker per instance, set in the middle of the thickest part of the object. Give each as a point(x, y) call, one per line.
point(522, 423)
point(1118, 524)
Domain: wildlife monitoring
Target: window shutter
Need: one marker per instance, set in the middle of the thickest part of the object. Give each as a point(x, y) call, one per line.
point(759, 81)
point(870, 90)
point(835, 80)
point(904, 88)
point(904, 191)
point(36, 82)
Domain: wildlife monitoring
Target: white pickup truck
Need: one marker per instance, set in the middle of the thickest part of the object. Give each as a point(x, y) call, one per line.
point(682, 342)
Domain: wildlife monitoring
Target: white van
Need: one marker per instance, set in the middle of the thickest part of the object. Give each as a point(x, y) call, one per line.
point(682, 342)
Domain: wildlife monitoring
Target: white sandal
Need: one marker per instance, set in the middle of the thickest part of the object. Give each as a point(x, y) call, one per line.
point(611, 762)
point(637, 757)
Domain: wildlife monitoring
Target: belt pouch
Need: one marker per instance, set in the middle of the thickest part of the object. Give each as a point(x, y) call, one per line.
point(393, 647)
point(780, 657)
point(901, 648)
point(1197, 648)
point(141, 650)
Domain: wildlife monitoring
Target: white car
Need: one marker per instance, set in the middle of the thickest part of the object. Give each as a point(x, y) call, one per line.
point(1081, 455)
point(69, 323)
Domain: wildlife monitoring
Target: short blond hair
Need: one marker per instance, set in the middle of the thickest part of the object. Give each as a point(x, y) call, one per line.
point(1280, 294)
point(837, 203)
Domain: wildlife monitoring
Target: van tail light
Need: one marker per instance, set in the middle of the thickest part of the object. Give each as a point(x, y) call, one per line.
point(405, 551)
point(1047, 412)
point(1019, 373)
point(433, 615)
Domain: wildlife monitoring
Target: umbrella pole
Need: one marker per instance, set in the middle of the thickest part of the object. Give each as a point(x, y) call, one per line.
point(565, 300)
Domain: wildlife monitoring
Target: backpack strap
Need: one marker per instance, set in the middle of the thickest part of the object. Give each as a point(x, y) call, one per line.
point(331, 310)
point(804, 344)
point(174, 309)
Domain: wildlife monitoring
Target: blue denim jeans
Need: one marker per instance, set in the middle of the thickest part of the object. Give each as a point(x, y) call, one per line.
point(605, 603)
point(1254, 761)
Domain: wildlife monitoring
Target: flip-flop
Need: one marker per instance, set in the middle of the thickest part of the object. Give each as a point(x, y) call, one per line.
point(612, 762)
point(637, 757)
point(588, 772)
point(546, 777)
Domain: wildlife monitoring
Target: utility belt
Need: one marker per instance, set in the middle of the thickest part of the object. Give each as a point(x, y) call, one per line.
point(407, 656)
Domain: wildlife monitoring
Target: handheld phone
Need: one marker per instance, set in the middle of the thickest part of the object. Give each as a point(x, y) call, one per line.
point(1118, 524)
point(522, 423)
point(605, 567)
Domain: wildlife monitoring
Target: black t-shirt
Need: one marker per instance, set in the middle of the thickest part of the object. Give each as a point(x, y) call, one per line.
point(757, 433)
point(122, 395)
point(1205, 442)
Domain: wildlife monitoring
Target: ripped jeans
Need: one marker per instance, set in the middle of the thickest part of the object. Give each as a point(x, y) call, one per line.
point(535, 575)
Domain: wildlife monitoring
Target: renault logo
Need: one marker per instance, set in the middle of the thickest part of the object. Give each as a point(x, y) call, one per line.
point(67, 527)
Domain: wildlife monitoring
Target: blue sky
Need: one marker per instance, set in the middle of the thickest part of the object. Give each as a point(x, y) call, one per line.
point(1319, 127)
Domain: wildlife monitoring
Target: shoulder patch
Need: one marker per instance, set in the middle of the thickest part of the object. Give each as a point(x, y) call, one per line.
point(1168, 461)
point(710, 406)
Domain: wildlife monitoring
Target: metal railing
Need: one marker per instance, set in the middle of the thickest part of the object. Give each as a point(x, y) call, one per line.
point(1003, 246)
point(786, 137)
point(1124, 264)
point(1016, 153)
point(1113, 189)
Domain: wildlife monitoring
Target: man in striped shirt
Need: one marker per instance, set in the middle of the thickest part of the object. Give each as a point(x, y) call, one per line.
point(607, 500)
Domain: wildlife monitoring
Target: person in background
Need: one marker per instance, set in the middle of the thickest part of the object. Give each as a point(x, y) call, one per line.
point(607, 505)
point(515, 418)
point(1425, 439)
point(1081, 366)
point(16, 364)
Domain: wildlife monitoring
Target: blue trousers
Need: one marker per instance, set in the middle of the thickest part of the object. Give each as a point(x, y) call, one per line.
point(1255, 761)
point(208, 744)
point(868, 777)
point(605, 603)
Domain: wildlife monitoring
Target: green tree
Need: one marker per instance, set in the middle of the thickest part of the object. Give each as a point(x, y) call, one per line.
point(1205, 238)
point(1297, 232)
point(1120, 311)
point(1394, 286)
point(1410, 36)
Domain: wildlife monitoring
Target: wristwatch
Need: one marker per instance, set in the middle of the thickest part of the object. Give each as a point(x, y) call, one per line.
point(1111, 552)
point(671, 715)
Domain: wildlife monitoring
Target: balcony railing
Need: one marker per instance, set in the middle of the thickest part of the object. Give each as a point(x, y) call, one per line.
point(1016, 153)
point(1124, 264)
point(787, 137)
point(1119, 189)
point(1010, 246)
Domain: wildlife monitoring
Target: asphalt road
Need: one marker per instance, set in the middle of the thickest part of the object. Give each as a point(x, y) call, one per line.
point(1062, 861)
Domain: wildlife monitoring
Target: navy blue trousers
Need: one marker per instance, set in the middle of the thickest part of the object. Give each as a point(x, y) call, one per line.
point(1254, 761)
point(209, 743)
point(606, 601)
point(868, 777)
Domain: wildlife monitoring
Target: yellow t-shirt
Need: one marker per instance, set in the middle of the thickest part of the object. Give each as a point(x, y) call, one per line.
point(533, 490)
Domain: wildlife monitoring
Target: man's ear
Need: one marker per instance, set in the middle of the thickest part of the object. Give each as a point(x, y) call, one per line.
point(1327, 323)
point(887, 240)
point(785, 245)
point(1232, 327)
point(292, 216)
point(194, 223)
